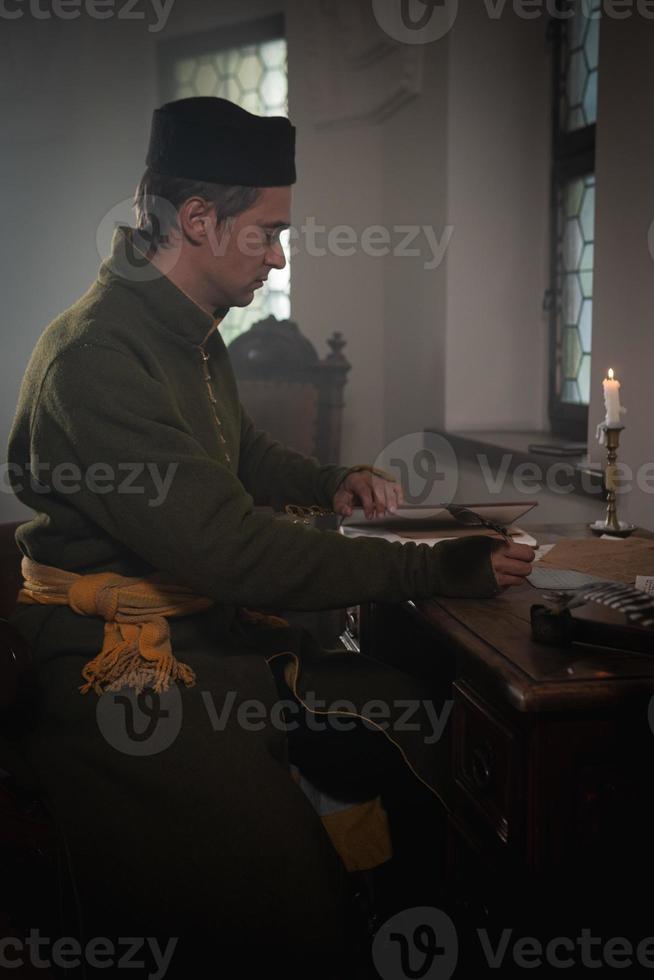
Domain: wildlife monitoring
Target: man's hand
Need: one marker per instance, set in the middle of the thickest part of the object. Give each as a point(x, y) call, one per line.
point(512, 563)
point(365, 489)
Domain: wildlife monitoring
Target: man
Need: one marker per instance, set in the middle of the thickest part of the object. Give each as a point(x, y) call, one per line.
point(145, 552)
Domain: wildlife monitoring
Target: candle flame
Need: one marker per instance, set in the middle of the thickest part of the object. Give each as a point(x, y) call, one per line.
point(610, 374)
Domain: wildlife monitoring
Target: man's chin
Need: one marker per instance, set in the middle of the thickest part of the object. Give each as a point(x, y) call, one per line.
point(246, 296)
point(244, 299)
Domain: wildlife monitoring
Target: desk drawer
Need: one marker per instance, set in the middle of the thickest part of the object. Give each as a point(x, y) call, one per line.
point(486, 761)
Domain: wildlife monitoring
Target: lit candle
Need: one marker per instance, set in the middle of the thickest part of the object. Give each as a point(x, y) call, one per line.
point(612, 400)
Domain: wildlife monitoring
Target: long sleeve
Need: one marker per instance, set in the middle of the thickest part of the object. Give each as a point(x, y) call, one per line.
point(276, 475)
point(187, 513)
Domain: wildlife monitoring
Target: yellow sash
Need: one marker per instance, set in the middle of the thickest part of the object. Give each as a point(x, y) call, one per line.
point(136, 651)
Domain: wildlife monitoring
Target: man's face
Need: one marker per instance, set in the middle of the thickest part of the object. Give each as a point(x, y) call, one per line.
point(239, 256)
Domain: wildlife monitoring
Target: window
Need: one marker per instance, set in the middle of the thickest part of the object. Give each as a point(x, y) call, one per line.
point(576, 64)
point(247, 65)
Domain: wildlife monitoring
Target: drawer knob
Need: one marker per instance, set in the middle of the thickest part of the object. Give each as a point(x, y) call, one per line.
point(482, 767)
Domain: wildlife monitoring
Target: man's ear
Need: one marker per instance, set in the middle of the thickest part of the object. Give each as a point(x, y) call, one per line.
point(197, 220)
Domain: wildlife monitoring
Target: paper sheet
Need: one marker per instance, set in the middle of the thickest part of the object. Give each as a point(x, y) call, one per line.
point(618, 560)
point(559, 580)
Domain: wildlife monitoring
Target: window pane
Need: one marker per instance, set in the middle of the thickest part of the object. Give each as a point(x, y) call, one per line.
point(584, 379)
point(273, 54)
point(184, 70)
point(579, 65)
point(576, 224)
point(585, 325)
point(255, 77)
point(571, 300)
point(590, 99)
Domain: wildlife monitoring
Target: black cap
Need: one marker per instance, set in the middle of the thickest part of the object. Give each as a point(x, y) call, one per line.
point(206, 138)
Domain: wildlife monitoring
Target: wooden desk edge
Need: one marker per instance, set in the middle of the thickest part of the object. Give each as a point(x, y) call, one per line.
point(522, 692)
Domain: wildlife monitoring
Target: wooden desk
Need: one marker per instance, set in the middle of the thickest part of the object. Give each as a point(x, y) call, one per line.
point(545, 767)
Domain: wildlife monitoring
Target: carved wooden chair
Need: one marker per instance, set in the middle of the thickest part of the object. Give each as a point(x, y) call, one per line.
point(288, 390)
point(298, 399)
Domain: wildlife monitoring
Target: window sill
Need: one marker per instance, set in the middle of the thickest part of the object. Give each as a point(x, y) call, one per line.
point(586, 479)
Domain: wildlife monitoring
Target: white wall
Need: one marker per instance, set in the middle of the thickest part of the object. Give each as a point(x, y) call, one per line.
point(339, 183)
point(464, 344)
point(72, 147)
point(498, 143)
point(414, 167)
point(623, 321)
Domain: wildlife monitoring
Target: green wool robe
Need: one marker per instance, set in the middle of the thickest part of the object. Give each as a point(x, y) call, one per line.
point(129, 467)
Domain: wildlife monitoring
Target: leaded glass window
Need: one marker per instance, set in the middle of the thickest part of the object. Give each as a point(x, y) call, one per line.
point(580, 66)
point(255, 76)
point(576, 68)
point(576, 234)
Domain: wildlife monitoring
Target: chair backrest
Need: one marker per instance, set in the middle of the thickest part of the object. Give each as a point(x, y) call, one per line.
point(10, 577)
point(288, 390)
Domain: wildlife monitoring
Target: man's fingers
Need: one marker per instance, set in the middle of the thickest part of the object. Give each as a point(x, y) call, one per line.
point(509, 566)
point(512, 563)
point(505, 580)
point(388, 495)
point(343, 502)
point(380, 496)
point(389, 498)
point(367, 500)
point(522, 552)
point(394, 496)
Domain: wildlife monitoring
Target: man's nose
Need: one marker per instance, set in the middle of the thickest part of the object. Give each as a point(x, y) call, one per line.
point(275, 257)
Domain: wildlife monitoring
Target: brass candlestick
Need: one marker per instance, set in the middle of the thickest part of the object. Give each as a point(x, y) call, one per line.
point(611, 524)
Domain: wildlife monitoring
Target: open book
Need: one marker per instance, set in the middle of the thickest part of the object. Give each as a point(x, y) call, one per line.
point(429, 524)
